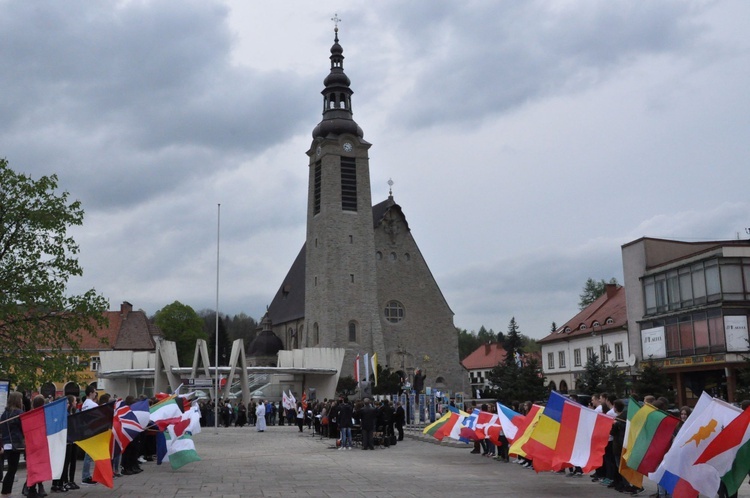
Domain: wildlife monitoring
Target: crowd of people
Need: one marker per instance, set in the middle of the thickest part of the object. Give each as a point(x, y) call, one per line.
point(365, 421)
point(608, 475)
point(12, 445)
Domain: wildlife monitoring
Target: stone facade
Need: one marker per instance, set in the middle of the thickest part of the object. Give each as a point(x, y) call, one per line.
point(425, 338)
point(360, 282)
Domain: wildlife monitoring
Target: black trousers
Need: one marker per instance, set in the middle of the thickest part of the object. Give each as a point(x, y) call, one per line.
point(368, 441)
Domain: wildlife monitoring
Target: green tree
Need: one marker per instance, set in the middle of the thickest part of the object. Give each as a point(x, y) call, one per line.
point(242, 327)
point(513, 343)
point(592, 379)
point(40, 326)
point(389, 382)
point(614, 381)
point(592, 290)
point(529, 345)
point(485, 335)
point(517, 377)
point(347, 386)
point(181, 324)
point(651, 380)
point(225, 345)
point(467, 343)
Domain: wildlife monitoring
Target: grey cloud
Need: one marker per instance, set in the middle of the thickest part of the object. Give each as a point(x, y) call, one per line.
point(493, 56)
point(108, 93)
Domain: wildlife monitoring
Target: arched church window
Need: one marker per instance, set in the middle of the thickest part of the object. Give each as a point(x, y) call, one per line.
point(378, 255)
point(352, 332)
point(394, 311)
point(407, 256)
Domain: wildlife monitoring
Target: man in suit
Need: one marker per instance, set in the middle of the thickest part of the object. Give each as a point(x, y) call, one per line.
point(368, 416)
point(400, 419)
point(386, 416)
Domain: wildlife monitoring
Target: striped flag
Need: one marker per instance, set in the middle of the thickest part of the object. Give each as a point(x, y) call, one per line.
point(91, 430)
point(45, 430)
point(434, 427)
point(525, 430)
point(729, 454)
point(356, 369)
point(648, 436)
point(676, 472)
point(568, 434)
point(166, 412)
point(510, 421)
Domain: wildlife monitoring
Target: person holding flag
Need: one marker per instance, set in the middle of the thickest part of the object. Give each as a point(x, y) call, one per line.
point(300, 415)
point(12, 438)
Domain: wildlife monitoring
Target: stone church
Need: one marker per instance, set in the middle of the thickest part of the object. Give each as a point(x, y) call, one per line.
point(360, 282)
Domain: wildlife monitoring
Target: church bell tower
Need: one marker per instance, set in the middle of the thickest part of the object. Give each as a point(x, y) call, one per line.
point(341, 308)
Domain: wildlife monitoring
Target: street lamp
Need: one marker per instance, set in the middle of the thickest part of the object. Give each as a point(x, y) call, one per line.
point(603, 349)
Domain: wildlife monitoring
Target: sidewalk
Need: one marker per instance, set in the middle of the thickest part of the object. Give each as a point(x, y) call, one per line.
point(282, 462)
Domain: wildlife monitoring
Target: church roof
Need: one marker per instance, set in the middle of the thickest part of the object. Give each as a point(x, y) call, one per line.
point(289, 302)
point(379, 211)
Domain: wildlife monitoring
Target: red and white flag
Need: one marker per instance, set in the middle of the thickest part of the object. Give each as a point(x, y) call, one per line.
point(356, 369)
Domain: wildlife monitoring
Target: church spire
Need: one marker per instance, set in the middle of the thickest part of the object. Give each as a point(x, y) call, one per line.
point(337, 95)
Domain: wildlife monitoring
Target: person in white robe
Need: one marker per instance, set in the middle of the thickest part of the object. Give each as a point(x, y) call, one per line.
point(260, 412)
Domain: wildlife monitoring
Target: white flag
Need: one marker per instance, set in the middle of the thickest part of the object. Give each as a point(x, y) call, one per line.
point(367, 367)
point(709, 417)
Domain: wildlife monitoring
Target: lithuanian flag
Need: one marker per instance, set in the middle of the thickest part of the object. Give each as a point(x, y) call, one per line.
point(648, 437)
point(434, 427)
point(92, 430)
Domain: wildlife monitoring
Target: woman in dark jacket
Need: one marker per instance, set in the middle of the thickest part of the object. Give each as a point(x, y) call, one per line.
point(12, 438)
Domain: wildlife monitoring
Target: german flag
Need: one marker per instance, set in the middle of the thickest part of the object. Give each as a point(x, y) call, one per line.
point(92, 430)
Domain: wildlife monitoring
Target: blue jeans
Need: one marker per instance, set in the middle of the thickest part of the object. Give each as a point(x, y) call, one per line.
point(346, 436)
point(86, 472)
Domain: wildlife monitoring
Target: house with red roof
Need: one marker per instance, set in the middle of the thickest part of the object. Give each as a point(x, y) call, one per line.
point(127, 332)
point(600, 329)
point(480, 362)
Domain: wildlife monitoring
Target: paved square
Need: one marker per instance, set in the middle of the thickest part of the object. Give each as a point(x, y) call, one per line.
point(282, 462)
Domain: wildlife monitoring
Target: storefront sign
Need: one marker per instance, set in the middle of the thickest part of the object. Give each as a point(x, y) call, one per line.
point(653, 343)
point(735, 330)
point(694, 360)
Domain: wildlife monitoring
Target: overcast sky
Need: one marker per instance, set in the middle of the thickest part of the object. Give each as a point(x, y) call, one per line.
point(528, 140)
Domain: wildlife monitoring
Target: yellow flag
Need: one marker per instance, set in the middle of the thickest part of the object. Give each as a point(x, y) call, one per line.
point(374, 361)
point(515, 448)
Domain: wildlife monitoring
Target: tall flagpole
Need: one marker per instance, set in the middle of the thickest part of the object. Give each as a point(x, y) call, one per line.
point(216, 332)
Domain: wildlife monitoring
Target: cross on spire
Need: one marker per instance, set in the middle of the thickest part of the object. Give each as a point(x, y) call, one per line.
point(336, 20)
